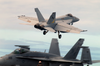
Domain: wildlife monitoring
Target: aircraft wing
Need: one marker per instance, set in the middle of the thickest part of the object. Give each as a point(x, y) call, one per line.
point(49, 59)
point(63, 27)
point(25, 23)
point(96, 61)
point(31, 20)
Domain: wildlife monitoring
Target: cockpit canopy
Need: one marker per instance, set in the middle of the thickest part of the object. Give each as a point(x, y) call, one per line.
point(70, 15)
point(20, 51)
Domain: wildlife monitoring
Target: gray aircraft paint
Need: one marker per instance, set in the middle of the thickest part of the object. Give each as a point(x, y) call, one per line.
point(39, 15)
point(86, 55)
point(25, 57)
point(72, 54)
point(61, 24)
point(54, 48)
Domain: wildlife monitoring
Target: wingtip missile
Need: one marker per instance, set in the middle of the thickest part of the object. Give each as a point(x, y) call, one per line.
point(84, 31)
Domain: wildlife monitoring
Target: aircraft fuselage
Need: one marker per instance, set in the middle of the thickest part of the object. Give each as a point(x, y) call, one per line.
point(12, 60)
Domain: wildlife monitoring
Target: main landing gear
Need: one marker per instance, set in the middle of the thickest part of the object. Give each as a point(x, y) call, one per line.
point(87, 65)
point(59, 35)
point(44, 32)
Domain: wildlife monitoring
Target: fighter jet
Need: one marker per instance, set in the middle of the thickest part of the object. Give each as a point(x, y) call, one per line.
point(61, 24)
point(24, 57)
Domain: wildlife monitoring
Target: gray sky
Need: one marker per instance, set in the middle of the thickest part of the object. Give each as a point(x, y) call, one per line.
point(11, 32)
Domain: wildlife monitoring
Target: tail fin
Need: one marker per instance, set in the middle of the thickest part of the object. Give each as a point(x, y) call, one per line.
point(86, 57)
point(52, 18)
point(54, 48)
point(72, 54)
point(39, 15)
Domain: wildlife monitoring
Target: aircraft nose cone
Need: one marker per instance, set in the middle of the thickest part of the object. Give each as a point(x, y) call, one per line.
point(77, 19)
point(1, 61)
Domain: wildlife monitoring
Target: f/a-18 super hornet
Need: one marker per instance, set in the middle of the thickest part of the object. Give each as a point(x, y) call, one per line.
point(24, 57)
point(61, 24)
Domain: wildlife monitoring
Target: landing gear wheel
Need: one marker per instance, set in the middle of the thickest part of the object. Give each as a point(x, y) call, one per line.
point(44, 32)
point(60, 36)
point(87, 65)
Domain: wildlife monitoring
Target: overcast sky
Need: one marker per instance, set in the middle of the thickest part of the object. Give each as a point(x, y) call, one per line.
point(12, 33)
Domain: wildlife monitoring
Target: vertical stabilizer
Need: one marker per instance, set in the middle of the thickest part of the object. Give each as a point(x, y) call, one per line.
point(39, 15)
point(52, 18)
point(86, 56)
point(54, 48)
point(72, 54)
